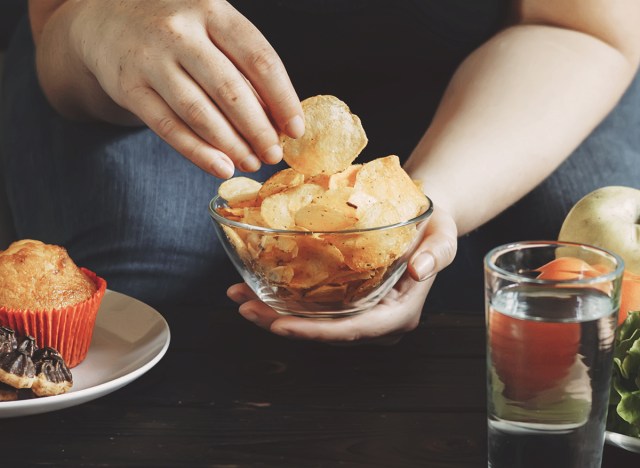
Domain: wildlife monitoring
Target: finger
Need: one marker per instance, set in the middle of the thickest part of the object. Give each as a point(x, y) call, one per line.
point(160, 118)
point(259, 62)
point(227, 87)
point(259, 313)
point(397, 313)
point(241, 293)
point(197, 110)
point(437, 249)
point(251, 308)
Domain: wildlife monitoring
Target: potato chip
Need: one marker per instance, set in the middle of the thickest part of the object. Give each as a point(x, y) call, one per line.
point(316, 217)
point(254, 243)
point(360, 200)
point(346, 178)
point(333, 138)
point(280, 274)
point(329, 211)
point(337, 198)
point(280, 181)
point(377, 214)
point(239, 190)
point(286, 293)
point(253, 216)
point(270, 251)
point(384, 179)
point(347, 275)
point(237, 242)
point(272, 254)
point(320, 179)
point(366, 287)
point(374, 249)
point(234, 214)
point(284, 243)
point(327, 293)
point(314, 263)
point(278, 210)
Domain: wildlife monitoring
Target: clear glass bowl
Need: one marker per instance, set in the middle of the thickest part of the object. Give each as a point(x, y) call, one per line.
point(325, 274)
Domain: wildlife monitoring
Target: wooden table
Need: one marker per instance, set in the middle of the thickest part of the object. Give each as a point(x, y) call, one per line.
point(228, 394)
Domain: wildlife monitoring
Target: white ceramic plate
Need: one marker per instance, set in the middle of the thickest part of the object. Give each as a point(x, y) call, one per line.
point(129, 339)
point(623, 441)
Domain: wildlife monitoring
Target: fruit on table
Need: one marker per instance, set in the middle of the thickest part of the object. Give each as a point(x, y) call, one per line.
point(608, 218)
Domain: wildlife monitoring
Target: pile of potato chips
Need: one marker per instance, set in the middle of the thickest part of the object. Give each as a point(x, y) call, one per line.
point(329, 208)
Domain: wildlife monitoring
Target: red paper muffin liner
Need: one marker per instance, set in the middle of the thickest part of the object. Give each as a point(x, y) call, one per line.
point(69, 330)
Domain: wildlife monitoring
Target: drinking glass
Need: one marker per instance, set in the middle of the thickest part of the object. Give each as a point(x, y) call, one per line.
point(551, 315)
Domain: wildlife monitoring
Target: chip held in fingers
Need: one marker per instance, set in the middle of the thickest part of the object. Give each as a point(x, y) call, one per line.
point(324, 237)
point(333, 138)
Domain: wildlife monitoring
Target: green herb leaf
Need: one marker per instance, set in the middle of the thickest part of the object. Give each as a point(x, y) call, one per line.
point(624, 416)
point(629, 408)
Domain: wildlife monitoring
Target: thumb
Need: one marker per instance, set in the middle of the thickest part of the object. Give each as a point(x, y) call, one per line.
point(438, 247)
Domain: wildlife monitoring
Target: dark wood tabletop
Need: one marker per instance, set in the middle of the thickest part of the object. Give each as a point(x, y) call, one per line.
point(228, 394)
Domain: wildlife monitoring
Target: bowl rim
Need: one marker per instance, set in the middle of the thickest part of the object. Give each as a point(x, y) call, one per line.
point(250, 227)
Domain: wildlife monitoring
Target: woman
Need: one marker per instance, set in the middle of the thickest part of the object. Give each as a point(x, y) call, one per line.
point(133, 113)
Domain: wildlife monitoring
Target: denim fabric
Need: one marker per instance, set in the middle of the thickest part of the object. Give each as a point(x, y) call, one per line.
point(129, 207)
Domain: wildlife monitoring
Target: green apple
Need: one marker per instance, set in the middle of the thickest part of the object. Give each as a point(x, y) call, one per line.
point(608, 218)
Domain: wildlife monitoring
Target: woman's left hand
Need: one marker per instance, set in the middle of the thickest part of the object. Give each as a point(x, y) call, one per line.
point(385, 323)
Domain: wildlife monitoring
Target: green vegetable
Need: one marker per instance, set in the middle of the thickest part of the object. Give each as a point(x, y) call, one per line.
point(624, 412)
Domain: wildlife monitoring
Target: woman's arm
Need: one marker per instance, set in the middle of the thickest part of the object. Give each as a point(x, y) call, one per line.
point(519, 105)
point(70, 88)
point(39, 13)
point(197, 72)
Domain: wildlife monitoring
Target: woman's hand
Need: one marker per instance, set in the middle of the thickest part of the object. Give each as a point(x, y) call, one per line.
point(197, 72)
point(397, 313)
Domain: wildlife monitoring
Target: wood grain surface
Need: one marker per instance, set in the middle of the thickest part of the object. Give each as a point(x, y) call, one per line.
point(228, 394)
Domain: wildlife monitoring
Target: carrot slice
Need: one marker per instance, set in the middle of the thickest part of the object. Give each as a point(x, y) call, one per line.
point(630, 296)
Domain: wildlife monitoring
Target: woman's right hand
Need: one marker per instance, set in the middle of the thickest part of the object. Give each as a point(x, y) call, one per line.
point(197, 72)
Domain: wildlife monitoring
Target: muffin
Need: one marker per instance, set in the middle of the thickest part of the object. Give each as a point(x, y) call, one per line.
point(43, 293)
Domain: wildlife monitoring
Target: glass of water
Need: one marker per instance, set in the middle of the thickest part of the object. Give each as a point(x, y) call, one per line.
point(551, 315)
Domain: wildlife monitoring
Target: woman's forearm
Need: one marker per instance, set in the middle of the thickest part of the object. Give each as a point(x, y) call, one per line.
point(69, 86)
point(514, 110)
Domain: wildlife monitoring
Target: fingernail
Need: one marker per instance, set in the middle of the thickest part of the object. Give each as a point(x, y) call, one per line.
point(280, 331)
point(295, 127)
point(424, 264)
point(223, 167)
point(236, 296)
point(250, 164)
point(249, 314)
point(273, 155)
